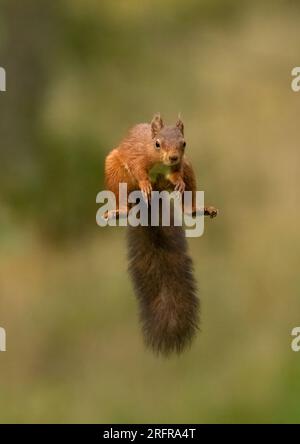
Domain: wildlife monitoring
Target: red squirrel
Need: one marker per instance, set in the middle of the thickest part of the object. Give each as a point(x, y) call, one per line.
point(152, 157)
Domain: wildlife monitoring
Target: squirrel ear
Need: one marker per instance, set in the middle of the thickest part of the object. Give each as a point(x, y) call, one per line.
point(180, 125)
point(156, 125)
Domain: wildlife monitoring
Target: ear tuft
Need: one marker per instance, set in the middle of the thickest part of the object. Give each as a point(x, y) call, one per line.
point(156, 124)
point(180, 125)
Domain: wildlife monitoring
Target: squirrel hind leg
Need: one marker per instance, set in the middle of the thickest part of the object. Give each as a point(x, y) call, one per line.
point(115, 172)
point(116, 214)
point(190, 185)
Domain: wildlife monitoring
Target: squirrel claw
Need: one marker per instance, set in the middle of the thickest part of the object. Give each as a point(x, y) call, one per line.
point(146, 189)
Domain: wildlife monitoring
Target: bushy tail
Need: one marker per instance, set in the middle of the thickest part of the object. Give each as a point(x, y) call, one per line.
point(164, 284)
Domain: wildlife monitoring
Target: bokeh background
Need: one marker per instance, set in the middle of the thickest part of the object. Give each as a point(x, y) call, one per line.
point(79, 73)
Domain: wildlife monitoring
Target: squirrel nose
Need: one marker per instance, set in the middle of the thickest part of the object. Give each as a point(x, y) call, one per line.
point(173, 158)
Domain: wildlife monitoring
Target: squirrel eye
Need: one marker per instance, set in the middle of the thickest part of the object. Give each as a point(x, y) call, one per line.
point(157, 144)
point(184, 144)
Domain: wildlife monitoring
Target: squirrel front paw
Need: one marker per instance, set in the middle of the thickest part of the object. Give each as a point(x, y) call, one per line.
point(179, 185)
point(146, 188)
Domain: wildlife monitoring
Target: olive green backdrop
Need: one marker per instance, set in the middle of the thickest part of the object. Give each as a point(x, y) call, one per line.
point(79, 73)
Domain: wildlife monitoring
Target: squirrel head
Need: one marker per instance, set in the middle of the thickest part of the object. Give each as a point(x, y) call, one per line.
point(168, 141)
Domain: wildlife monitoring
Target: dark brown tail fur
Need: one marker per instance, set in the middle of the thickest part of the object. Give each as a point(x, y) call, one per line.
point(162, 274)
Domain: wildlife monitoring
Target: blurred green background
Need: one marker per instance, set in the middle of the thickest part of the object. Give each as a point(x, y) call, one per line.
point(79, 73)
